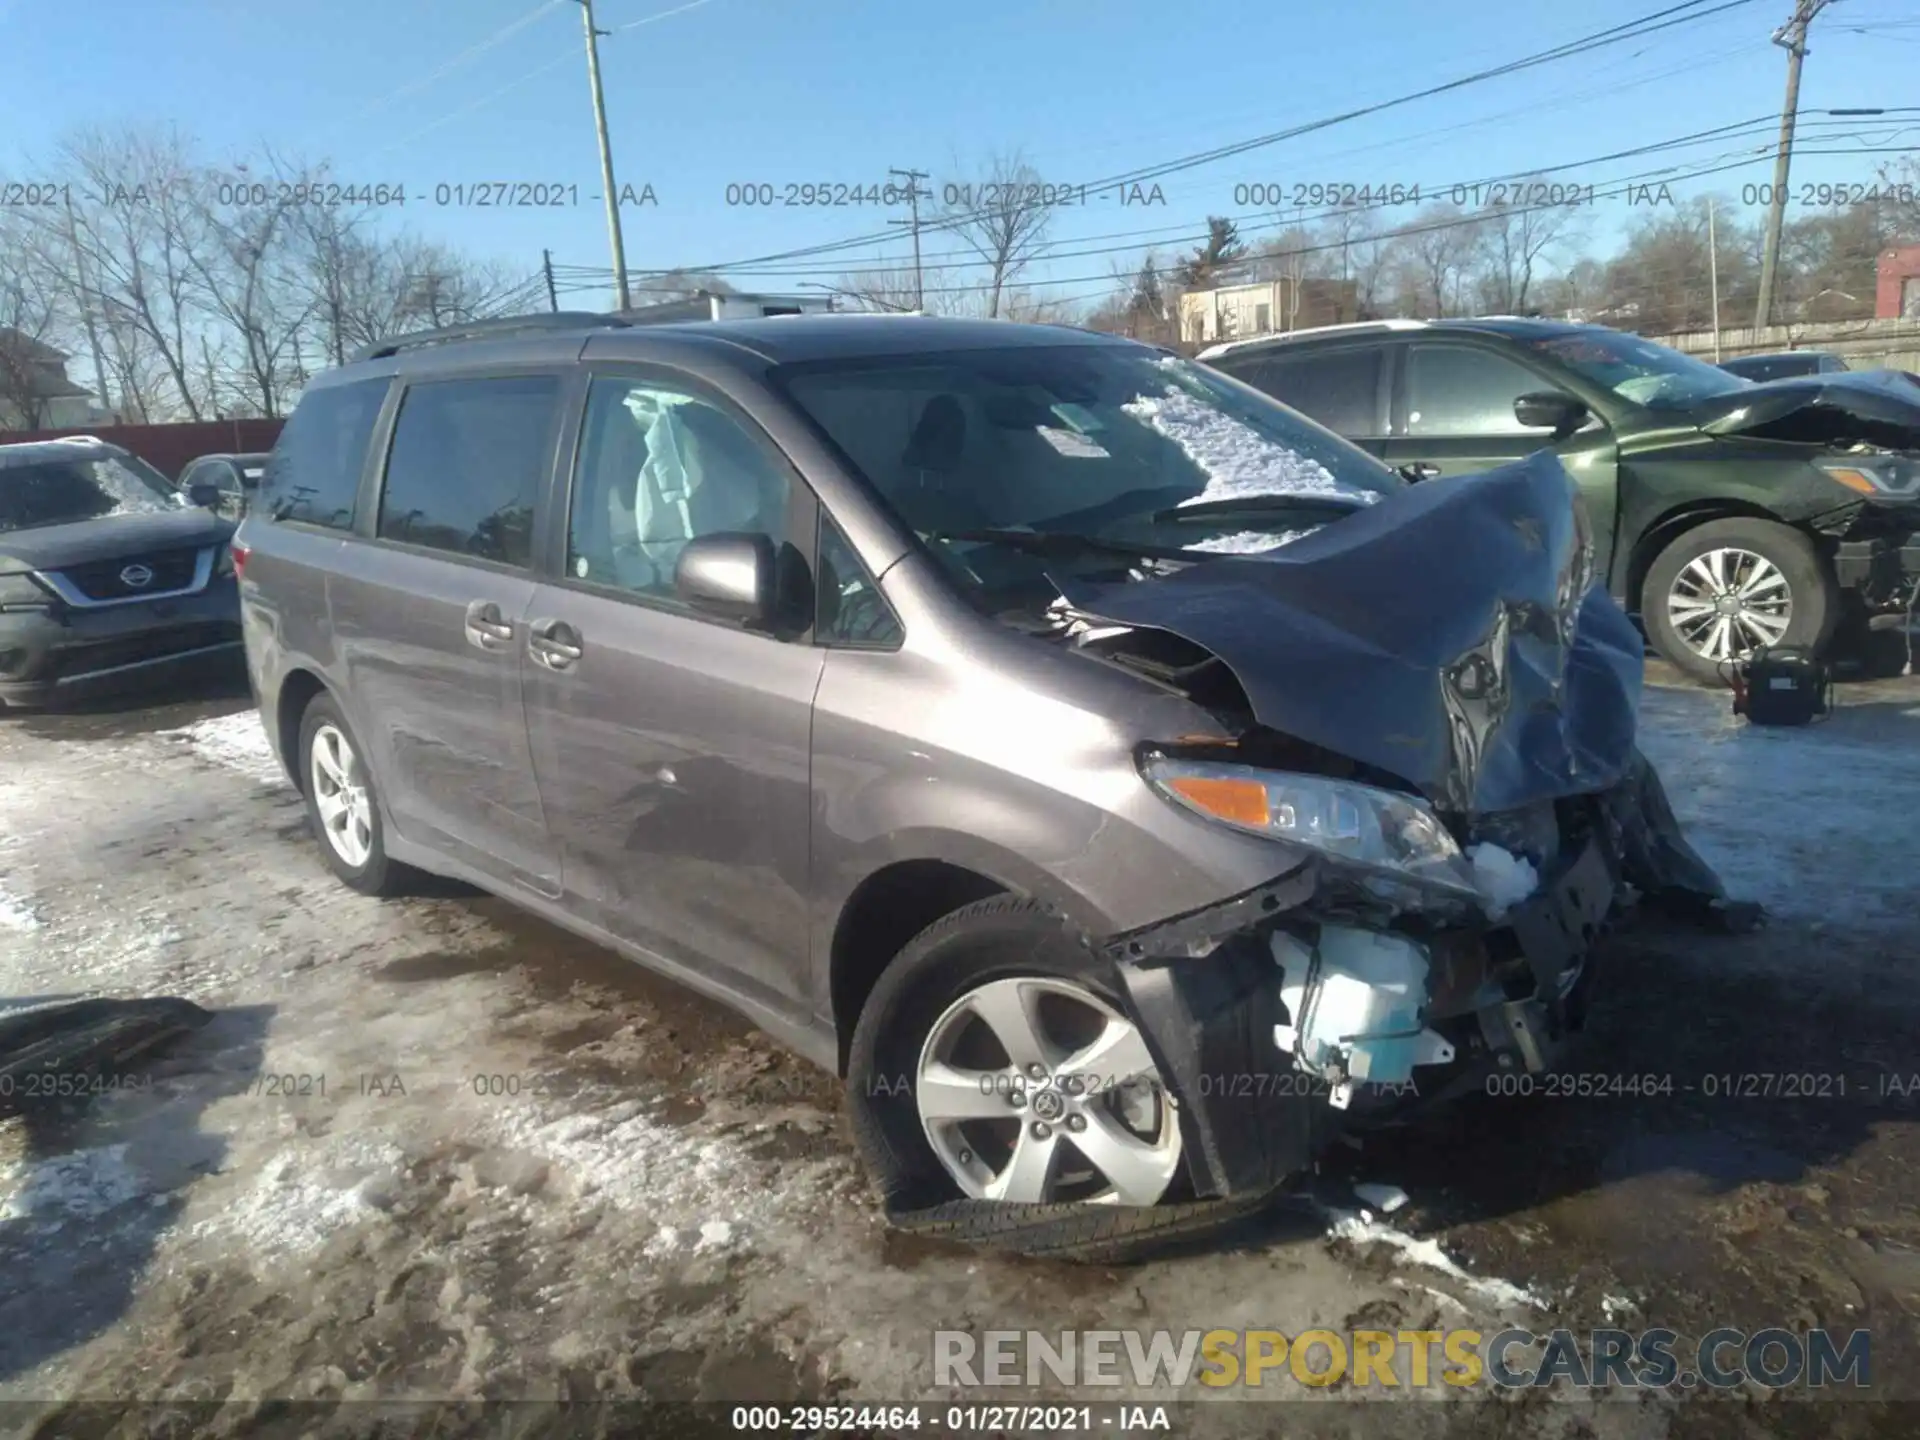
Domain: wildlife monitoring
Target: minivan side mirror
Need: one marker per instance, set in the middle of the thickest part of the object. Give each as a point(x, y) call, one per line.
point(1553, 410)
point(729, 575)
point(203, 493)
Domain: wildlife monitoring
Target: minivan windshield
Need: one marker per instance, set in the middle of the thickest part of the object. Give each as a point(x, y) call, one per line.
point(1115, 445)
point(62, 490)
point(1639, 371)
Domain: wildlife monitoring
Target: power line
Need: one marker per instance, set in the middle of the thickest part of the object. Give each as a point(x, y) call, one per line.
point(1617, 189)
point(1183, 233)
point(1613, 35)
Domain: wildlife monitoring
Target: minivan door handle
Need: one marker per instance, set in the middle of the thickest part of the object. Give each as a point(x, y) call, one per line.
point(553, 643)
point(487, 628)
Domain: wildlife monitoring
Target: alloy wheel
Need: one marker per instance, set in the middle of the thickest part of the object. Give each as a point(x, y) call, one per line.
point(1724, 603)
point(340, 795)
point(1033, 1090)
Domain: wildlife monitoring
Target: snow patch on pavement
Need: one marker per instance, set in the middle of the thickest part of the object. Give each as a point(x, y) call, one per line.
point(1348, 1225)
point(16, 914)
point(625, 1159)
point(301, 1200)
point(81, 1185)
point(237, 741)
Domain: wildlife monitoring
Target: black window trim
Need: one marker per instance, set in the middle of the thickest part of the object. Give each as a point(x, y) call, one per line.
point(823, 518)
point(553, 541)
point(373, 481)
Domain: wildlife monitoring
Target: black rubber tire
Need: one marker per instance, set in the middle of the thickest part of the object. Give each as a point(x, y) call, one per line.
point(1001, 936)
point(377, 876)
point(1815, 593)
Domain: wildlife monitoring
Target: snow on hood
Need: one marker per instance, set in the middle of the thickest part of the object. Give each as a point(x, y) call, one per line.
point(1248, 542)
point(1238, 460)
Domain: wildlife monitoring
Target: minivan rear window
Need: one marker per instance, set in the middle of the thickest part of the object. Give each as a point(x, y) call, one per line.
point(313, 475)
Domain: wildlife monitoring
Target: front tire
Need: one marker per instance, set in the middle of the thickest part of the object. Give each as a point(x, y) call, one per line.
point(343, 806)
point(1724, 589)
point(1001, 1094)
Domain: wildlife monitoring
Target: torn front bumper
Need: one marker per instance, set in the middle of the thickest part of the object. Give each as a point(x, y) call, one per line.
point(1262, 1092)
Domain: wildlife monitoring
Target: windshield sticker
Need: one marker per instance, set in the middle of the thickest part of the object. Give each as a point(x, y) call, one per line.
point(1079, 417)
point(1237, 459)
point(1070, 444)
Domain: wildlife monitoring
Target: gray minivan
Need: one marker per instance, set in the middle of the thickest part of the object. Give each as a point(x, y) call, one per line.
point(1124, 782)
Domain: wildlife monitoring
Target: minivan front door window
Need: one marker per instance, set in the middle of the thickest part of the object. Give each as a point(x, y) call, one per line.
point(659, 467)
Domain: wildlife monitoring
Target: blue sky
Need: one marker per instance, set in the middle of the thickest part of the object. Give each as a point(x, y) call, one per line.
point(778, 91)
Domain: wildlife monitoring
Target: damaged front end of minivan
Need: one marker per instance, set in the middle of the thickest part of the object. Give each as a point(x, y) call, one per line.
point(1435, 706)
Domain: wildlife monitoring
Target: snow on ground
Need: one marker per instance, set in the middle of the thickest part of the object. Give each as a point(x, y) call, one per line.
point(238, 741)
point(1817, 823)
point(16, 914)
point(1356, 1228)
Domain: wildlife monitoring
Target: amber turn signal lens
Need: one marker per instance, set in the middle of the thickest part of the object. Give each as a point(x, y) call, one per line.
point(1244, 802)
point(1854, 480)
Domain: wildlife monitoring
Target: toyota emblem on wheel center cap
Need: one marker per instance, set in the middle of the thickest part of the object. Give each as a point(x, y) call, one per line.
point(136, 577)
point(1048, 1104)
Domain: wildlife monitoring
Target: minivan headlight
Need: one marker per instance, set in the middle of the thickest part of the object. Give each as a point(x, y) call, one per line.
point(1371, 828)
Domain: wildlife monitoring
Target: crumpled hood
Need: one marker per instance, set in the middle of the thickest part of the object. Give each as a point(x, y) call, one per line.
point(1450, 635)
point(1877, 407)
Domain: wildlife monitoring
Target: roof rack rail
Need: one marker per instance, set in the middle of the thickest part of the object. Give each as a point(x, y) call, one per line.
point(478, 329)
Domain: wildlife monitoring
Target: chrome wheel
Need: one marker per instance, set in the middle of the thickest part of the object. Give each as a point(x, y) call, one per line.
point(340, 795)
point(1034, 1090)
point(1727, 602)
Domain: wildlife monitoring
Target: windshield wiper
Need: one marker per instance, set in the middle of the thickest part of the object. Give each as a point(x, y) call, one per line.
point(1259, 505)
point(1064, 544)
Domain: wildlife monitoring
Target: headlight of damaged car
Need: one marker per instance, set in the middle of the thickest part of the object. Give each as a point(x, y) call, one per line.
point(1366, 827)
point(22, 592)
point(1879, 477)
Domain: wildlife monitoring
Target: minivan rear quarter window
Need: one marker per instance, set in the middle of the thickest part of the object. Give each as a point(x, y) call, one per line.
point(464, 470)
point(313, 476)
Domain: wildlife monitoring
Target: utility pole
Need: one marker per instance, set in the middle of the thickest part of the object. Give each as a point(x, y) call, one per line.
point(1713, 277)
point(546, 269)
point(86, 312)
point(620, 299)
point(913, 179)
point(1792, 35)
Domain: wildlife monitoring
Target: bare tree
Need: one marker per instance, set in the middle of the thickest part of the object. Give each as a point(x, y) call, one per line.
point(1003, 217)
point(1513, 243)
point(30, 326)
point(1435, 250)
point(136, 233)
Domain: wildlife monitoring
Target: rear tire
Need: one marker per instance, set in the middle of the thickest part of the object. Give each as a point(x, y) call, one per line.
point(1722, 589)
point(343, 804)
point(923, 1003)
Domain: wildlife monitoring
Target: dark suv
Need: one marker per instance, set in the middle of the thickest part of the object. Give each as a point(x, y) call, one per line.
point(109, 577)
point(1032, 726)
point(1728, 515)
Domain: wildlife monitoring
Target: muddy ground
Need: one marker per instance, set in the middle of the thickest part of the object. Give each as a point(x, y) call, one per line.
point(434, 1149)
